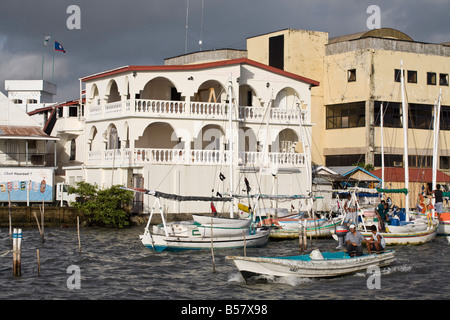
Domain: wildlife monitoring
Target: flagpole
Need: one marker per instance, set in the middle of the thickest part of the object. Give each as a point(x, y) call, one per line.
point(43, 52)
point(53, 71)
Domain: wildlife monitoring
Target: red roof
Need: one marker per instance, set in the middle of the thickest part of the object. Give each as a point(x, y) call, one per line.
point(200, 66)
point(415, 175)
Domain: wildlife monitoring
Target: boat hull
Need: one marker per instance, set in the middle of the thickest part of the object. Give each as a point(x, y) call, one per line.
point(323, 231)
point(223, 222)
point(295, 267)
point(405, 238)
point(171, 243)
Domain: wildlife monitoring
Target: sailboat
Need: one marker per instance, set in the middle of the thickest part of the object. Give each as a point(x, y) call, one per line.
point(202, 233)
point(411, 232)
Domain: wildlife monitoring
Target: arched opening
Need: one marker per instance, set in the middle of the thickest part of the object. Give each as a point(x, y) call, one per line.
point(210, 91)
point(113, 94)
point(158, 135)
point(160, 88)
point(113, 141)
point(285, 142)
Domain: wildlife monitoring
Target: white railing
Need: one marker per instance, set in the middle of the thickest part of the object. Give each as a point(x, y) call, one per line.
point(159, 106)
point(208, 109)
point(193, 110)
point(139, 156)
point(113, 107)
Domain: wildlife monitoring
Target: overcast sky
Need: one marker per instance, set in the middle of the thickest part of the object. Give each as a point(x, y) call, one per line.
point(115, 33)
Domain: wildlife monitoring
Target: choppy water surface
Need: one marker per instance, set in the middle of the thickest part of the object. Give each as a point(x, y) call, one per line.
point(115, 265)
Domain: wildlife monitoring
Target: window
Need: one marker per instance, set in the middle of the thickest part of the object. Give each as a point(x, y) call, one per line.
point(445, 118)
point(12, 149)
point(412, 76)
point(419, 161)
point(444, 163)
point(32, 101)
point(344, 160)
point(420, 116)
point(347, 115)
point(276, 52)
point(17, 101)
point(443, 79)
point(73, 148)
point(431, 78)
point(392, 114)
point(397, 75)
point(351, 75)
point(390, 160)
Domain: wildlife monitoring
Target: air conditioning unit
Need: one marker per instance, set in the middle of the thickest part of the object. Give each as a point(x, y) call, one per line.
point(398, 163)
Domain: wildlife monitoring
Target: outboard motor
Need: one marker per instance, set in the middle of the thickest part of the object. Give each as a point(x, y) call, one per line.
point(341, 232)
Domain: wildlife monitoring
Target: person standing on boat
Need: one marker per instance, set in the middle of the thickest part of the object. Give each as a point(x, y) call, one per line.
point(382, 214)
point(350, 211)
point(354, 240)
point(376, 242)
point(438, 202)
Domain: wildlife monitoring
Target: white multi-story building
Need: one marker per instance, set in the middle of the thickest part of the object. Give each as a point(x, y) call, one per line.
point(168, 128)
point(30, 95)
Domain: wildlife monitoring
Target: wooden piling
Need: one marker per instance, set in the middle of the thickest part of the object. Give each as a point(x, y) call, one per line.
point(17, 244)
point(245, 244)
point(38, 262)
point(212, 248)
point(304, 236)
point(10, 218)
point(78, 232)
point(300, 236)
point(39, 227)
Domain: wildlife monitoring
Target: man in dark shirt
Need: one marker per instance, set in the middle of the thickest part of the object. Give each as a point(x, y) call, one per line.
point(438, 203)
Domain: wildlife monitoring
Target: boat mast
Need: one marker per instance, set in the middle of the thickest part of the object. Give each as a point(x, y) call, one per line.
point(230, 118)
point(405, 140)
point(382, 145)
point(437, 112)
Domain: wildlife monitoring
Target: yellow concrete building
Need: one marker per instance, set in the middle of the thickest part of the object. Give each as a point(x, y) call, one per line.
point(358, 73)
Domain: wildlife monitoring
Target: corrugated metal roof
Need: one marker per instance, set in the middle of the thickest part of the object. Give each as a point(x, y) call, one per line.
point(17, 131)
point(415, 175)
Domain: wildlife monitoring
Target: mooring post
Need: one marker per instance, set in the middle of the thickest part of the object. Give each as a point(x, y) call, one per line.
point(78, 232)
point(17, 244)
point(212, 247)
point(39, 262)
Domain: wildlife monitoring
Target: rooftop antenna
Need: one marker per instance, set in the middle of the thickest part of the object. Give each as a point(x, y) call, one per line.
point(201, 26)
point(187, 26)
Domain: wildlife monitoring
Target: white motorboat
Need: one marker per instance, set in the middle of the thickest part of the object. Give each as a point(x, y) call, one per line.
point(314, 265)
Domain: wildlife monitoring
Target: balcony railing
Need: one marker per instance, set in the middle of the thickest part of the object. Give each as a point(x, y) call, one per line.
point(21, 159)
point(146, 107)
point(142, 156)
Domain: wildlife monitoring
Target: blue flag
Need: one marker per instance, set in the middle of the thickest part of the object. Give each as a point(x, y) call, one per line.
point(59, 47)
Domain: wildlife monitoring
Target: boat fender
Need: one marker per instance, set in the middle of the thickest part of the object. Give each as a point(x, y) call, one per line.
point(316, 255)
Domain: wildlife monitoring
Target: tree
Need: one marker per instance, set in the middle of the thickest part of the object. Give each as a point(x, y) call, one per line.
point(103, 206)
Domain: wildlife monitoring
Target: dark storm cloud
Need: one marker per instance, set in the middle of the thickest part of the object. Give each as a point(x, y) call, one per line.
point(115, 33)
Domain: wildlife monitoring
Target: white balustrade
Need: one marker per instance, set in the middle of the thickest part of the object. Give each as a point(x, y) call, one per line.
point(193, 157)
point(113, 107)
point(208, 109)
point(159, 106)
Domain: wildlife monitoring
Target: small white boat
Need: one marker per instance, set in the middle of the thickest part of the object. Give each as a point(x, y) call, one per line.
point(314, 265)
point(322, 229)
point(169, 242)
point(223, 222)
point(408, 237)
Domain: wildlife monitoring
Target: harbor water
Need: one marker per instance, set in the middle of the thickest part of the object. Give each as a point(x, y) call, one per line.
point(113, 264)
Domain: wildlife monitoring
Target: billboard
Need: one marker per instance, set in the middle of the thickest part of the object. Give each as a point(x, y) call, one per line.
point(34, 184)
